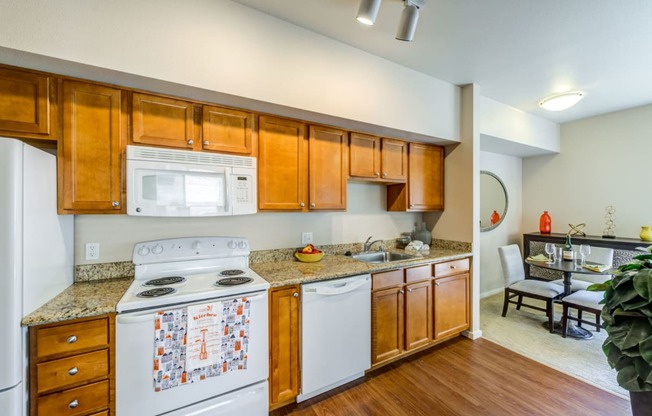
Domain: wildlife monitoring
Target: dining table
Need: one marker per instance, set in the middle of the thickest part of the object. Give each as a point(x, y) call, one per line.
point(568, 268)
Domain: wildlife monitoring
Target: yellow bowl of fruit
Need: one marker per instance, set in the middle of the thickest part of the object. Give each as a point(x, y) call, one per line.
point(309, 254)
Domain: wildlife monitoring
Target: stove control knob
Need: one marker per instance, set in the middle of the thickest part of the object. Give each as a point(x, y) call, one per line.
point(143, 251)
point(232, 244)
point(196, 245)
point(242, 244)
point(157, 249)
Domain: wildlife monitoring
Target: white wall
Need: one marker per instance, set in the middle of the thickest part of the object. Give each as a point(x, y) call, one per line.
point(366, 216)
point(604, 160)
point(219, 45)
point(509, 170)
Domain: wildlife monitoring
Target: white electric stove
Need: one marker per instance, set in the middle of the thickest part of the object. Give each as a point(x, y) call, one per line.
point(178, 275)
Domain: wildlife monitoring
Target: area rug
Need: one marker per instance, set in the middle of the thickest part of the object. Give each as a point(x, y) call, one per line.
point(523, 332)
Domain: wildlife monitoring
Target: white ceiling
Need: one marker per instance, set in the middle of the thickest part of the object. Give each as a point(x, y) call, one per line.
point(516, 51)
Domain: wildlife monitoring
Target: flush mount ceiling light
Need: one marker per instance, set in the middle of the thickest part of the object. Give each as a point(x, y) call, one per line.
point(368, 11)
point(409, 19)
point(559, 102)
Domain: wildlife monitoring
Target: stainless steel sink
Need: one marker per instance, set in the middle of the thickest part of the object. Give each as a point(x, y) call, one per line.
point(381, 257)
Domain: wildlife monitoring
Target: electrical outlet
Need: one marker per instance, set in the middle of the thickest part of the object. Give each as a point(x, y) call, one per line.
point(306, 237)
point(92, 251)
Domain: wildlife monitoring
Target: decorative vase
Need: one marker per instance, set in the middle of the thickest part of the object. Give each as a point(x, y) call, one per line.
point(646, 233)
point(545, 223)
point(424, 235)
point(495, 217)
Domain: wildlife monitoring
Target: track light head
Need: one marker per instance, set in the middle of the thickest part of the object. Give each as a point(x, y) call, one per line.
point(368, 11)
point(408, 24)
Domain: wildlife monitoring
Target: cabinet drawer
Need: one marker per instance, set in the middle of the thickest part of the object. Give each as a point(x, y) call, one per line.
point(81, 400)
point(67, 371)
point(69, 338)
point(417, 274)
point(387, 279)
point(451, 267)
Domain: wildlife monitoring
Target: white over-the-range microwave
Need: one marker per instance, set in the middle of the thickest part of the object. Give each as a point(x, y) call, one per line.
point(181, 183)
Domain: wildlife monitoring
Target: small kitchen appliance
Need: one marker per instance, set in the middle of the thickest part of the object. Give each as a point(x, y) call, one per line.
point(173, 278)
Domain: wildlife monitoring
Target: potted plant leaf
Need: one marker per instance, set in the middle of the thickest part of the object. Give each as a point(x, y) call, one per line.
point(627, 319)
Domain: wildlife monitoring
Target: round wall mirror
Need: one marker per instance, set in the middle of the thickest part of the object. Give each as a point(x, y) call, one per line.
point(493, 201)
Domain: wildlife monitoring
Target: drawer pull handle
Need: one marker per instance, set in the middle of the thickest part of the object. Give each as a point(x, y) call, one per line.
point(73, 371)
point(73, 404)
point(72, 339)
point(453, 267)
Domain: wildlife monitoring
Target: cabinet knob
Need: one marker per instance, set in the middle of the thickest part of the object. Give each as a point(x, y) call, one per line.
point(437, 284)
point(312, 205)
point(411, 205)
point(72, 339)
point(409, 290)
point(205, 142)
point(295, 294)
point(384, 174)
point(302, 204)
point(73, 371)
point(115, 204)
point(401, 291)
point(73, 404)
point(453, 267)
point(190, 142)
point(377, 173)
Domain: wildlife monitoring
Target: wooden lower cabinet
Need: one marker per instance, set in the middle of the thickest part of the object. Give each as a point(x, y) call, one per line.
point(284, 361)
point(72, 367)
point(417, 307)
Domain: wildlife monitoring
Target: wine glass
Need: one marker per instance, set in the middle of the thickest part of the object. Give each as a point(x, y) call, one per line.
point(550, 249)
point(585, 250)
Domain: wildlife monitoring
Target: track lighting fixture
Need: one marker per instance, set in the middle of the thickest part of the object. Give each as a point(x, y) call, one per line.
point(409, 19)
point(368, 11)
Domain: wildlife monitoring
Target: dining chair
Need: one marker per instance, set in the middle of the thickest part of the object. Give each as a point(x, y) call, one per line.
point(583, 301)
point(517, 286)
point(580, 281)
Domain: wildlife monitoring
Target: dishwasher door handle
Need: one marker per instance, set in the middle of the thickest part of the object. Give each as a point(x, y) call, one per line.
point(337, 290)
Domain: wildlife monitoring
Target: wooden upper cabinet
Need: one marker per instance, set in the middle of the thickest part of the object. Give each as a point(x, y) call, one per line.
point(284, 307)
point(424, 190)
point(327, 168)
point(282, 165)
point(394, 160)
point(426, 178)
point(28, 105)
point(364, 156)
point(90, 154)
point(228, 131)
point(162, 121)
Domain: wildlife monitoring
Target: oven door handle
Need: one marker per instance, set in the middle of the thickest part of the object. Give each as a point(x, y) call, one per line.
point(133, 319)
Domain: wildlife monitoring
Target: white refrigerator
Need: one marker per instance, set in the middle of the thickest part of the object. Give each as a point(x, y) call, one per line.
point(36, 257)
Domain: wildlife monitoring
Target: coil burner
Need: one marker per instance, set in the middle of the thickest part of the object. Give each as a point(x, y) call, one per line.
point(231, 272)
point(164, 281)
point(156, 292)
point(234, 281)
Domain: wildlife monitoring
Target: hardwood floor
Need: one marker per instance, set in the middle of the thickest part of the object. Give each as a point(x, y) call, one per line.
point(463, 377)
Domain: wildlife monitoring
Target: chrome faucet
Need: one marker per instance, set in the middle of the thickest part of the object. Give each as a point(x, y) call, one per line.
point(367, 244)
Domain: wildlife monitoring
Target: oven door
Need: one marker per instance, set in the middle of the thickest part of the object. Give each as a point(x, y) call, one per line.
point(135, 394)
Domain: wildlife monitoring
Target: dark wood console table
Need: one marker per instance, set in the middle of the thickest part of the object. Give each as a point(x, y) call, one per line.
point(534, 243)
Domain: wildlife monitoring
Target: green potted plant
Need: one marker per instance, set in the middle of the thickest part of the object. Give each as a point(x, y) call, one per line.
point(627, 319)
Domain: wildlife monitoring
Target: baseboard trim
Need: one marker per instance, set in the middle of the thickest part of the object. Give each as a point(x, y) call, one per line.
point(491, 293)
point(472, 334)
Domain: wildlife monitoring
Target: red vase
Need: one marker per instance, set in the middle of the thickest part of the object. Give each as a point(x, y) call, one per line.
point(495, 217)
point(545, 224)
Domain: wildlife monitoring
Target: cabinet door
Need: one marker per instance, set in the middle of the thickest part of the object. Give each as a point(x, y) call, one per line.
point(451, 305)
point(387, 337)
point(394, 160)
point(327, 168)
point(418, 314)
point(282, 165)
point(27, 105)
point(162, 121)
point(90, 153)
point(284, 344)
point(226, 130)
point(426, 178)
point(364, 156)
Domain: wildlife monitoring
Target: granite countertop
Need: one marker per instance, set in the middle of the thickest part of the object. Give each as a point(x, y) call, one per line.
point(97, 297)
point(292, 272)
point(81, 300)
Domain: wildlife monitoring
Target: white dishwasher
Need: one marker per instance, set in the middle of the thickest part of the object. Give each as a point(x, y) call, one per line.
point(335, 333)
